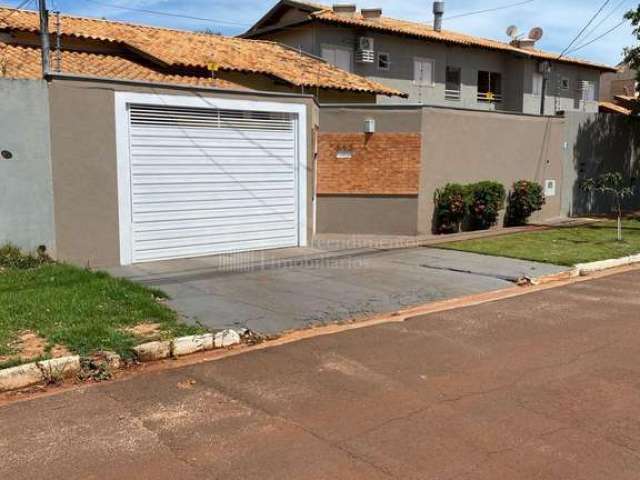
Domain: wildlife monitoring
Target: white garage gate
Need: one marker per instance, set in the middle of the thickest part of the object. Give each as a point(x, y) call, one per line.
point(201, 176)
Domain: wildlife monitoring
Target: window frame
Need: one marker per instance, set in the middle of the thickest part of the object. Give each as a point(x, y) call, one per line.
point(388, 67)
point(496, 96)
point(329, 46)
point(537, 78)
point(448, 93)
point(433, 69)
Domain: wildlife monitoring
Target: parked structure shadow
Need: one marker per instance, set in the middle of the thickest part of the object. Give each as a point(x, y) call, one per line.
point(606, 143)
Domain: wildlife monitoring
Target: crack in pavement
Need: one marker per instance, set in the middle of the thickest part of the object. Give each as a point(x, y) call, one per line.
point(239, 397)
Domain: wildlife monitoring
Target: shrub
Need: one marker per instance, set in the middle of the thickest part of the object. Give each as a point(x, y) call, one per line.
point(451, 207)
point(525, 198)
point(12, 257)
point(485, 200)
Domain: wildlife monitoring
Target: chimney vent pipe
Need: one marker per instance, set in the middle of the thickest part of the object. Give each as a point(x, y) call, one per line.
point(438, 12)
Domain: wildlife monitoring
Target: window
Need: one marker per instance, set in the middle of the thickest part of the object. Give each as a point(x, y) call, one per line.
point(423, 71)
point(489, 86)
point(453, 83)
point(536, 84)
point(384, 61)
point(564, 83)
point(588, 91)
point(340, 57)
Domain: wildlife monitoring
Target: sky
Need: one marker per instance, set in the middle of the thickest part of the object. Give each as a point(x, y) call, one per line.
point(560, 19)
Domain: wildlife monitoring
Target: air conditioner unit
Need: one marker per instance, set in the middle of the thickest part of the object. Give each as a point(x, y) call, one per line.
point(365, 52)
point(365, 43)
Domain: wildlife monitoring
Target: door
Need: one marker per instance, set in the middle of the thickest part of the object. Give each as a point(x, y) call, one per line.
point(206, 181)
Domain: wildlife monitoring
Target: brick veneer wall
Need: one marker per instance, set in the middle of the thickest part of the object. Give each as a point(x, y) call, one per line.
point(380, 163)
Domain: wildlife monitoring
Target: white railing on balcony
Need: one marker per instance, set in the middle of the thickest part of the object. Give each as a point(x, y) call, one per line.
point(489, 97)
point(452, 95)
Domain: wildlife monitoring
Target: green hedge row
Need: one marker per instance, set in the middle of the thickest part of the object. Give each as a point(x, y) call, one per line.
point(477, 206)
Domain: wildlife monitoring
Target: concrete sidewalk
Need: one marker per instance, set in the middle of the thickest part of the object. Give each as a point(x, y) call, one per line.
point(289, 294)
point(539, 387)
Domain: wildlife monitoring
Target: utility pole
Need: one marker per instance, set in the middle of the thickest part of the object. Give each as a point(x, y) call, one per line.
point(44, 37)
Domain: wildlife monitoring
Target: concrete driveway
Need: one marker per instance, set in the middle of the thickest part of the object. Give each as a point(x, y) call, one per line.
point(539, 387)
point(294, 289)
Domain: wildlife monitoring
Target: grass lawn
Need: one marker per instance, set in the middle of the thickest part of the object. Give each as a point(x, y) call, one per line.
point(561, 246)
point(81, 310)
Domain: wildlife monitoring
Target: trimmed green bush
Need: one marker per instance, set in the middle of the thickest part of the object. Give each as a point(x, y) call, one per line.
point(485, 200)
point(451, 207)
point(525, 198)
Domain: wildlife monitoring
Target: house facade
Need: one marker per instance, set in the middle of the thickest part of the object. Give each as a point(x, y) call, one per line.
point(438, 68)
point(622, 82)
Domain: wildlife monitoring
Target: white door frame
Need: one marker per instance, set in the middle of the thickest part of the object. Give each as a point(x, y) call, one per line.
point(122, 102)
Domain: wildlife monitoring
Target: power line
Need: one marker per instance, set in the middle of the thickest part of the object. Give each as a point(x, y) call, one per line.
point(488, 10)
point(20, 5)
point(168, 14)
point(615, 27)
point(607, 17)
point(575, 39)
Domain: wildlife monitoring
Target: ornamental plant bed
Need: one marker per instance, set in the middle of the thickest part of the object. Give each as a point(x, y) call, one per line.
point(70, 309)
point(561, 246)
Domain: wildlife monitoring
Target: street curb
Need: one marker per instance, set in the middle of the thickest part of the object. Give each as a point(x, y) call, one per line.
point(584, 269)
point(56, 369)
point(181, 346)
point(34, 373)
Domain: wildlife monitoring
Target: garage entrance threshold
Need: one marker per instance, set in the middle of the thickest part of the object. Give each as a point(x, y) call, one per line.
point(282, 290)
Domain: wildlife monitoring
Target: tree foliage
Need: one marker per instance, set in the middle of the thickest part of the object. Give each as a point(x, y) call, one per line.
point(632, 54)
point(612, 184)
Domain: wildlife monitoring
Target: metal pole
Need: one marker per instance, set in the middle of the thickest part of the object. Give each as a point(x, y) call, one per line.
point(44, 37)
point(542, 96)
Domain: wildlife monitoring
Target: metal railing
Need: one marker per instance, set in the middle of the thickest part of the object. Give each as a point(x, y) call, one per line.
point(452, 94)
point(489, 97)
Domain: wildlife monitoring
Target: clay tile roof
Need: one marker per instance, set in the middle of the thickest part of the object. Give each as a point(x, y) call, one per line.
point(609, 107)
point(178, 48)
point(423, 31)
point(23, 62)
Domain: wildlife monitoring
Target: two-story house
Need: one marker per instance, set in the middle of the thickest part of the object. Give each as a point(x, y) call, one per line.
point(434, 66)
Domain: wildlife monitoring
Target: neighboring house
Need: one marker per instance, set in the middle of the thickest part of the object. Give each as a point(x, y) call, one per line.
point(435, 67)
point(622, 82)
point(127, 51)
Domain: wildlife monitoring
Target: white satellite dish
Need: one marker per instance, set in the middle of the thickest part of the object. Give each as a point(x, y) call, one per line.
point(512, 31)
point(536, 33)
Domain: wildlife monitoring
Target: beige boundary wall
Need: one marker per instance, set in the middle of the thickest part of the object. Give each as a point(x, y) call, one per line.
point(84, 160)
point(457, 146)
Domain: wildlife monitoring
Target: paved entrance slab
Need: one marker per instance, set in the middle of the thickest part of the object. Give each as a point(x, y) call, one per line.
point(296, 290)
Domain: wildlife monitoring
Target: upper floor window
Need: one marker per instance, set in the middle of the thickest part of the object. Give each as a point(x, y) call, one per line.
point(489, 86)
point(423, 69)
point(537, 80)
point(339, 57)
point(384, 61)
point(453, 83)
point(564, 84)
point(588, 90)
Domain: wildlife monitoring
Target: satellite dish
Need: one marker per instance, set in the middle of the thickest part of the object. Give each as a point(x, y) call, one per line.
point(512, 31)
point(536, 33)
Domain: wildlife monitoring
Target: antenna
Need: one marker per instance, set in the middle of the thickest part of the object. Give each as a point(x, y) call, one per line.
point(536, 33)
point(512, 32)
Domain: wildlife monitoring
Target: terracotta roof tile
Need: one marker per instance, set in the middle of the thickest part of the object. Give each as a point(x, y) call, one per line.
point(426, 32)
point(181, 48)
point(24, 63)
point(610, 107)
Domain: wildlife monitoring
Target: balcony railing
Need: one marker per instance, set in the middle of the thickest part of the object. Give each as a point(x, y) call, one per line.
point(452, 95)
point(489, 97)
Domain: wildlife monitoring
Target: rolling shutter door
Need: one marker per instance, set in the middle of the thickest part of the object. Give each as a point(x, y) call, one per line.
point(209, 181)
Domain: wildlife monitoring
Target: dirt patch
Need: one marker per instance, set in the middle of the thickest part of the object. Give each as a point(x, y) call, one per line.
point(146, 331)
point(30, 346)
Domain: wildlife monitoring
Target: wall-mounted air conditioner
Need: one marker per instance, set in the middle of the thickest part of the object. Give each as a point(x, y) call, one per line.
point(365, 52)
